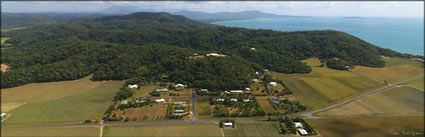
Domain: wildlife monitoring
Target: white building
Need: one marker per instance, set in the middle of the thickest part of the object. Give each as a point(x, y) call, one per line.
point(178, 111)
point(162, 100)
point(257, 73)
point(3, 115)
point(133, 86)
point(298, 124)
point(272, 83)
point(247, 89)
point(255, 80)
point(213, 54)
point(219, 99)
point(302, 132)
point(234, 99)
point(246, 100)
point(236, 91)
point(228, 124)
point(179, 85)
point(252, 48)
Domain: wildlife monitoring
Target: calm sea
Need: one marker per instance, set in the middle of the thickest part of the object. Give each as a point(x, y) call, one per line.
point(405, 35)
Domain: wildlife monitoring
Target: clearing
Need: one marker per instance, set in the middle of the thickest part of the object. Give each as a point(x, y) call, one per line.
point(417, 83)
point(253, 129)
point(145, 90)
point(395, 70)
point(89, 104)
point(376, 126)
point(164, 130)
point(265, 105)
point(324, 86)
point(54, 132)
point(203, 108)
point(397, 100)
point(4, 67)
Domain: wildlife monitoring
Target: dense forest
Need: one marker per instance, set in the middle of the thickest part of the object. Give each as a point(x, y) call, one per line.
point(144, 47)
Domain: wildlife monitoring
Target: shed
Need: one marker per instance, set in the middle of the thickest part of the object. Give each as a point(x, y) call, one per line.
point(179, 111)
point(228, 124)
point(255, 80)
point(302, 132)
point(3, 115)
point(133, 86)
point(219, 99)
point(162, 100)
point(124, 102)
point(298, 124)
point(179, 85)
point(272, 83)
point(276, 102)
point(179, 102)
point(234, 99)
point(203, 90)
point(161, 90)
point(247, 100)
point(236, 91)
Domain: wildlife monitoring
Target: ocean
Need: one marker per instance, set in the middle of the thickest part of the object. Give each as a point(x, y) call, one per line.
point(402, 34)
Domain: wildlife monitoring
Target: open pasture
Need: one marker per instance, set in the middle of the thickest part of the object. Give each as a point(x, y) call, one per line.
point(203, 108)
point(145, 90)
point(397, 100)
point(53, 132)
point(253, 129)
point(265, 105)
point(395, 70)
point(324, 86)
point(164, 130)
point(75, 108)
point(417, 83)
point(367, 127)
point(154, 112)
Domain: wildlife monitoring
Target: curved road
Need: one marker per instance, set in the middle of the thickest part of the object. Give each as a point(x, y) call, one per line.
point(308, 115)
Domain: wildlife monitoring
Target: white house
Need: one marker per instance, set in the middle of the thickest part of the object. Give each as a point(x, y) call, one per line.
point(257, 73)
point(234, 99)
point(178, 111)
point(179, 85)
point(246, 100)
point(255, 80)
point(219, 99)
point(272, 83)
point(252, 48)
point(161, 90)
point(3, 115)
point(298, 124)
point(228, 124)
point(133, 86)
point(179, 102)
point(212, 54)
point(247, 89)
point(302, 132)
point(204, 90)
point(236, 91)
point(162, 100)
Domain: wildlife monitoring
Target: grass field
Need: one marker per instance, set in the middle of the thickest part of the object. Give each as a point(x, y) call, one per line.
point(368, 127)
point(145, 90)
point(3, 39)
point(325, 86)
point(398, 100)
point(53, 132)
point(203, 108)
point(69, 109)
point(265, 105)
point(40, 92)
point(417, 83)
point(164, 130)
point(156, 112)
point(396, 69)
point(253, 129)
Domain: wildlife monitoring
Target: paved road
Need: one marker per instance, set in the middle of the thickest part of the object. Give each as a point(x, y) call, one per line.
point(310, 114)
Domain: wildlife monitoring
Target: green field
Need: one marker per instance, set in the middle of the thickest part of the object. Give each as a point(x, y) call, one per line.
point(164, 130)
point(145, 90)
point(53, 132)
point(3, 39)
point(399, 100)
point(417, 83)
point(325, 86)
point(253, 129)
point(70, 109)
point(203, 108)
point(41, 92)
point(395, 70)
point(368, 127)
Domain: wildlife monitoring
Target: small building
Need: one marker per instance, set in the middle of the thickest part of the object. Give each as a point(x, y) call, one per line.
point(179, 85)
point(162, 100)
point(179, 102)
point(247, 89)
point(257, 73)
point(255, 80)
point(161, 90)
point(266, 70)
point(246, 100)
point(219, 99)
point(3, 115)
point(140, 101)
point(302, 132)
point(236, 91)
point(228, 124)
point(298, 124)
point(204, 90)
point(252, 48)
point(123, 104)
point(179, 111)
point(234, 99)
point(212, 54)
point(133, 86)
point(195, 54)
point(272, 84)
point(276, 102)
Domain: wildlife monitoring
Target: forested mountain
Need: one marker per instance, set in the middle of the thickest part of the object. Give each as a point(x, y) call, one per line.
point(146, 46)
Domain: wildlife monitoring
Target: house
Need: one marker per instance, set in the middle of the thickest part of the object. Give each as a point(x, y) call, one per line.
point(123, 104)
point(133, 86)
point(3, 115)
point(162, 100)
point(234, 99)
point(252, 48)
point(257, 73)
point(140, 101)
point(219, 99)
point(178, 111)
point(204, 90)
point(276, 102)
point(298, 124)
point(302, 132)
point(161, 90)
point(179, 85)
point(236, 91)
point(228, 124)
point(246, 100)
point(179, 102)
point(255, 80)
point(266, 70)
point(212, 54)
point(272, 84)
point(195, 54)
point(227, 92)
point(247, 89)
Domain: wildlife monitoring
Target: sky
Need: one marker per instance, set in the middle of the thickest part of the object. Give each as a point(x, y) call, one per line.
point(300, 8)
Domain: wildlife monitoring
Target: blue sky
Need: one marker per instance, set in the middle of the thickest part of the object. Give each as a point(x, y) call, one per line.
point(319, 8)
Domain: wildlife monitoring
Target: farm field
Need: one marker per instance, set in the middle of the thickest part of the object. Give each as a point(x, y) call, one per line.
point(265, 105)
point(325, 86)
point(417, 83)
point(54, 132)
point(376, 126)
point(76, 108)
point(396, 69)
point(252, 129)
point(398, 100)
point(204, 110)
point(164, 130)
point(40, 92)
